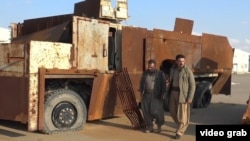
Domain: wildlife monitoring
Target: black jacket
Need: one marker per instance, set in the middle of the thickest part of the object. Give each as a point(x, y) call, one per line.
point(160, 83)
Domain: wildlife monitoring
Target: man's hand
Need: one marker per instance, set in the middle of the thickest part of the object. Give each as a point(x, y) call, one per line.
point(189, 101)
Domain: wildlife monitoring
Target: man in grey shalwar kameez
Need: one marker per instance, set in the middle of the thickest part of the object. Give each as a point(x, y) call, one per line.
point(152, 88)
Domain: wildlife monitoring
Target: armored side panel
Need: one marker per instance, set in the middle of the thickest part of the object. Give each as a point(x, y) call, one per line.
point(207, 55)
point(14, 82)
point(19, 77)
point(90, 39)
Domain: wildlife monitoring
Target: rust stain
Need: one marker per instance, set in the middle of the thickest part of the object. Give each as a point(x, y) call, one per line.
point(22, 117)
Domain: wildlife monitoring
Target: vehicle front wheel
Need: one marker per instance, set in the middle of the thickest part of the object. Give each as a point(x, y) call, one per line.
point(64, 111)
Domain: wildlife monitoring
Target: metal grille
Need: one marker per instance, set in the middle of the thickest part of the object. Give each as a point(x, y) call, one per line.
point(126, 93)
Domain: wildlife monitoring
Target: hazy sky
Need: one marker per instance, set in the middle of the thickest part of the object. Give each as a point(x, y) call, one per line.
point(230, 18)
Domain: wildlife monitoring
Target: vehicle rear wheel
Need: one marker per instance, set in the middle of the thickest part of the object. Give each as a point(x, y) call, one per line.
point(203, 95)
point(64, 111)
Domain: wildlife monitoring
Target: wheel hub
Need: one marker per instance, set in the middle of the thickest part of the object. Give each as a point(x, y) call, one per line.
point(64, 115)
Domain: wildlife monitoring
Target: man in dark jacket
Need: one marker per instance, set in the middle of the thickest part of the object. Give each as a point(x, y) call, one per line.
point(152, 88)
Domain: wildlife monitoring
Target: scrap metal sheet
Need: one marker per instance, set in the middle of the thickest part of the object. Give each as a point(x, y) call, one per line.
point(133, 41)
point(48, 55)
point(14, 98)
point(12, 60)
point(52, 34)
point(216, 52)
point(104, 100)
point(166, 45)
point(90, 38)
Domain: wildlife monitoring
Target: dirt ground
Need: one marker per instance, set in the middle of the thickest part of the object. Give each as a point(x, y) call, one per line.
point(223, 110)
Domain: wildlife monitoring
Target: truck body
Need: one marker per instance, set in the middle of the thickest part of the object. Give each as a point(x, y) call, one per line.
point(58, 72)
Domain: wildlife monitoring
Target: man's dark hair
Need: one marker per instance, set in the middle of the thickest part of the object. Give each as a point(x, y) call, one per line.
point(151, 61)
point(179, 56)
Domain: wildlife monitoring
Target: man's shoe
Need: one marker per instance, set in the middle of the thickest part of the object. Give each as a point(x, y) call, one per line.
point(159, 129)
point(148, 131)
point(177, 136)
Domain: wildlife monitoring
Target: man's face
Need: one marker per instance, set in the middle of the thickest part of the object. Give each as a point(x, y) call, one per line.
point(180, 62)
point(151, 67)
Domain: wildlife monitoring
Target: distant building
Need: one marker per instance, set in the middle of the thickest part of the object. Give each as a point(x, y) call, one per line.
point(5, 35)
point(241, 61)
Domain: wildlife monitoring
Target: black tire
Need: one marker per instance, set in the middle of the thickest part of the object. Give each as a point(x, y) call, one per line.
point(64, 111)
point(203, 95)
